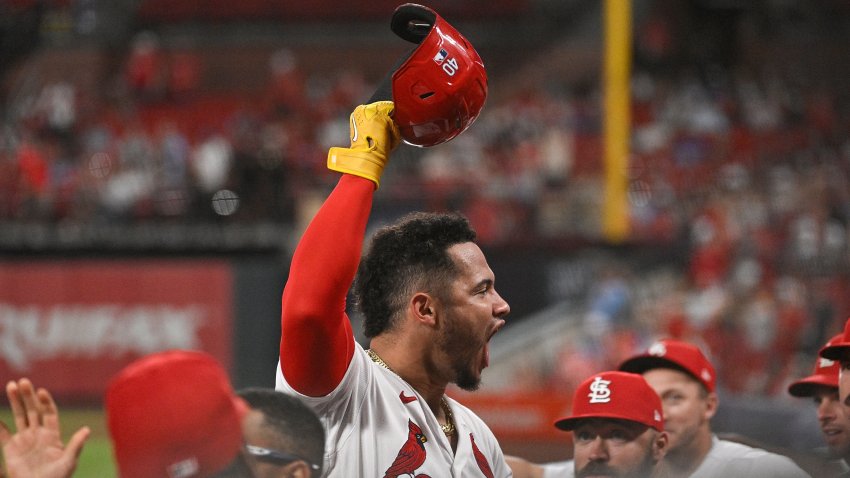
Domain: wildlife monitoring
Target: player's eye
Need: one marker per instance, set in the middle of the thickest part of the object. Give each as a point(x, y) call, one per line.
point(673, 398)
point(619, 435)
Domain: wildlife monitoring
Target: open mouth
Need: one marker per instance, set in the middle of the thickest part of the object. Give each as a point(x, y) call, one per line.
point(485, 362)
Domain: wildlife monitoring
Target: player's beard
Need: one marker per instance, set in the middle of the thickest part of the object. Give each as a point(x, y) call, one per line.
point(644, 470)
point(460, 343)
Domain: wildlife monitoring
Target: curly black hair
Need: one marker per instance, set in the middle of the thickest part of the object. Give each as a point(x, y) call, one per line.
point(404, 256)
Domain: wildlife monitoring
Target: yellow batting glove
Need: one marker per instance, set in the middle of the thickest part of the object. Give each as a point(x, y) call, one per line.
point(374, 135)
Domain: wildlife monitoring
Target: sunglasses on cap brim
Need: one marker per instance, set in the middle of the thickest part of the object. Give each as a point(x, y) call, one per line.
point(276, 457)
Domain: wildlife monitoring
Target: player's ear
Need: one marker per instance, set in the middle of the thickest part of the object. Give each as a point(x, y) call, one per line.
point(710, 405)
point(423, 308)
point(659, 447)
point(296, 469)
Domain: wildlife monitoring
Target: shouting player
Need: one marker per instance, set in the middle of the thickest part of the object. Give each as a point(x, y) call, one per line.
point(430, 308)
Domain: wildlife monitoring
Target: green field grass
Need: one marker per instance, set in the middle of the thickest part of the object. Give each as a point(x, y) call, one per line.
point(96, 458)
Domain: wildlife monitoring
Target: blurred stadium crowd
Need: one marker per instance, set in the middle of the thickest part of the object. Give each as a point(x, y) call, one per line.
point(742, 164)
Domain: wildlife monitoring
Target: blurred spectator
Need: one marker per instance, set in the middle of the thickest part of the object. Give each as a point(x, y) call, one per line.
point(184, 75)
point(211, 162)
point(146, 68)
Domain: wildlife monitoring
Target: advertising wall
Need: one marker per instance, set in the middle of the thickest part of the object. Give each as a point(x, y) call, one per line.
point(73, 324)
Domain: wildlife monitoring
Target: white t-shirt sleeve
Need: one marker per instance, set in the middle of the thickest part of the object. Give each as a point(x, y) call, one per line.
point(559, 469)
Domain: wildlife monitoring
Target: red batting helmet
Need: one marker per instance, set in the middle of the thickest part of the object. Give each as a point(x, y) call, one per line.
point(440, 89)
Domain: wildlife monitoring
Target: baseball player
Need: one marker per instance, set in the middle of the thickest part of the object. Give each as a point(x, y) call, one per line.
point(685, 380)
point(426, 292)
point(617, 426)
point(283, 437)
point(822, 386)
point(170, 414)
point(174, 414)
point(840, 352)
point(430, 307)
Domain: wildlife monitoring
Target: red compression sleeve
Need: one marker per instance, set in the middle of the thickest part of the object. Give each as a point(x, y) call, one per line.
point(317, 342)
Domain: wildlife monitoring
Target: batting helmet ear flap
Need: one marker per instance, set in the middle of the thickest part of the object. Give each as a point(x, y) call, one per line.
point(411, 22)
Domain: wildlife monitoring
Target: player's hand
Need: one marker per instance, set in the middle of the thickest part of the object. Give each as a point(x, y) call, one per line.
point(36, 449)
point(374, 135)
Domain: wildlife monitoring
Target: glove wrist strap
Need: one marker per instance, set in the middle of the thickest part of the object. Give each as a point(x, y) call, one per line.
point(363, 163)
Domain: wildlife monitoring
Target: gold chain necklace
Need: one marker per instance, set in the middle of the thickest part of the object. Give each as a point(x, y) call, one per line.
point(449, 427)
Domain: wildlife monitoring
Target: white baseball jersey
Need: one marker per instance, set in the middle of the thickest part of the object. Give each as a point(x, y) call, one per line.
point(378, 426)
point(728, 459)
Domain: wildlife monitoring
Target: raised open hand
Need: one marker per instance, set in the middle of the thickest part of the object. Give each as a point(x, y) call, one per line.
point(36, 450)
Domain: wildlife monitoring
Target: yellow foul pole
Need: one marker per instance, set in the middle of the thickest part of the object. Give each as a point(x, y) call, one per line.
point(617, 117)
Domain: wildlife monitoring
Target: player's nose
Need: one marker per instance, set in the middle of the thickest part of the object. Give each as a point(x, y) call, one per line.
point(598, 449)
point(826, 410)
point(501, 308)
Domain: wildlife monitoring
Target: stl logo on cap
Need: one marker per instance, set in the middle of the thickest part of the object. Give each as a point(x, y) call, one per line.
point(599, 391)
point(614, 395)
point(825, 362)
point(658, 349)
point(705, 375)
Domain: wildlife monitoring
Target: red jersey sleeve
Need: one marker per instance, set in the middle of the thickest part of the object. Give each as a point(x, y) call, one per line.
point(317, 342)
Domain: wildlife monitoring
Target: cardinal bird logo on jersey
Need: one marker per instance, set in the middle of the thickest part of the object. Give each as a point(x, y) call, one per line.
point(412, 453)
point(481, 459)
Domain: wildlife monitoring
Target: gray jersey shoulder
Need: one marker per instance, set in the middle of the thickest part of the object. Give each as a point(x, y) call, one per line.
point(728, 459)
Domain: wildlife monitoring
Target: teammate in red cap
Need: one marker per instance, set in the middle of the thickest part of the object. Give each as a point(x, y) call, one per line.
point(174, 414)
point(617, 425)
point(685, 380)
point(822, 386)
point(840, 352)
point(430, 308)
point(170, 414)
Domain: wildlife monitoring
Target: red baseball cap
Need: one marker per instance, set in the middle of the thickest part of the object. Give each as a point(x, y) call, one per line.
point(825, 374)
point(675, 354)
point(839, 350)
point(619, 395)
point(174, 414)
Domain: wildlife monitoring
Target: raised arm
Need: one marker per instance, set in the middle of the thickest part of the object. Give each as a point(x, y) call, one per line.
point(316, 338)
